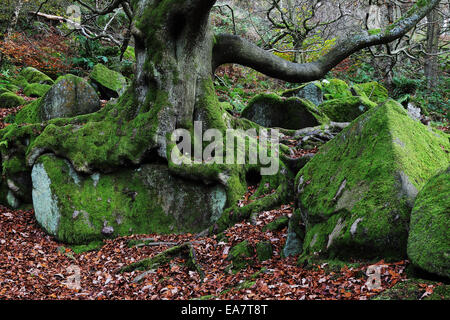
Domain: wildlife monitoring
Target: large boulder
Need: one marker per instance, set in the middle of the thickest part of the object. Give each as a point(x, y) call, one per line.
point(346, 109)
point(32, 75)
point(148, 199)
point(356, 194)
point(429, 234)
point(271, 110)
point(110, 83)
point(70, 96)
point(311, 91)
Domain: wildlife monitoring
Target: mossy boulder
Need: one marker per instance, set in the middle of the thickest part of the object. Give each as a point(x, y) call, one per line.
point(36, 89)
point(335, 89)
point(429, 235)
point(356, 194)
point(10, 100)
point(110, 83)
point(311, 91)
point(271, 110)
point(79, 209)
point(32, 75)
point(372, 90)
point(241, 255)
point(70, 96)
point(264, 250)
point(346, 109)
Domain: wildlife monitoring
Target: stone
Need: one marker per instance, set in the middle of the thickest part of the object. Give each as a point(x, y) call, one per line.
point(310, 91)
point(264, 250)
point(271, 110)
point(346, 109)
point(79, 209)
point(70, 96)
point(295, 236)
point(32, 75)
point(110, 83)
point(355, 196)
point(36, 89)
point(429, 231)
point(10, 100)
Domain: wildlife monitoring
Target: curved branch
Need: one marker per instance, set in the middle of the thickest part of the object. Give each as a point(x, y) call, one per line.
point(233, 49)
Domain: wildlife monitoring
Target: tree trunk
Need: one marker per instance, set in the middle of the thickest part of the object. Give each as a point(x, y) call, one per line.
point(15, 18)
point(432, 48)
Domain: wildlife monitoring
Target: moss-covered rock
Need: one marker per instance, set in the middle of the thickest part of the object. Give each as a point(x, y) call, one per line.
point(110, 83)
point(311, 91)
point(68, 97)
point(429, 234)
point(346, 109)
point(295, 236)
point(79, 209)
point(277, 224)
point(10, 100)
point(264, 250)
point(335, 89)
point(372, 90)
point(36, 89)
point(271, 110)
point(240, 255)
point(356, 194)
point(32, 75)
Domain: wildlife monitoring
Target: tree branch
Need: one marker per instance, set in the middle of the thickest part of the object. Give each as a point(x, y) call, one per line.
point(233, 49)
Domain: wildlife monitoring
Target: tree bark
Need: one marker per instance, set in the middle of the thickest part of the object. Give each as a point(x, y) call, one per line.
point(432, 48)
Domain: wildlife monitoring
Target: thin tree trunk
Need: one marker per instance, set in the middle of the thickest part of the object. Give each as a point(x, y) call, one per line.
point(15, 18)
point(431, 59)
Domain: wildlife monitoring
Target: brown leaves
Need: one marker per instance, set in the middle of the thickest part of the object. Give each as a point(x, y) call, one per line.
point(33, 266)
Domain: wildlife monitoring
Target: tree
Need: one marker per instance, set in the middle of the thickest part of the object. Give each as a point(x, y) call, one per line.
point(176, 55)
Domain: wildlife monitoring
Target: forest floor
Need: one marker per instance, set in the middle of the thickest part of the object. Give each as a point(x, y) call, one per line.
point(35, 266)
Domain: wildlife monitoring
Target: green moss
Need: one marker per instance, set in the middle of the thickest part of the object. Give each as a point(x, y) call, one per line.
point(356, 193)
point(10, 100)
point(277, 224)
point(346, 109)
point(32, 75)
point(240, 255)
point(429, 236)
point(92, 246)
point(335, 89)
point(264, 250)
point(372, 90)
point(413, 289)
point(36, 89)
point(109, 79)
point(29, 114)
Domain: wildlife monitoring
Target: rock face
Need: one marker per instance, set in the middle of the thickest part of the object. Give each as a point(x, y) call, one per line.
point(110, 83)
point(271, 110)
point(356, 194)
point(69, 96)
point(78, 209)
point(429, 234)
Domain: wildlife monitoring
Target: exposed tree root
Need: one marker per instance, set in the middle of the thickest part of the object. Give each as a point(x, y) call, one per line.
point(185, 250)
